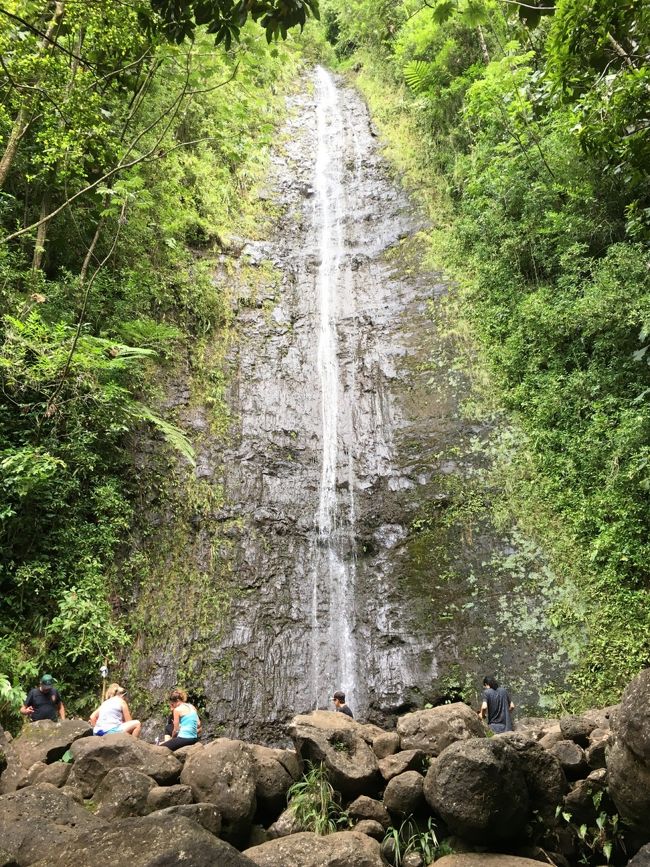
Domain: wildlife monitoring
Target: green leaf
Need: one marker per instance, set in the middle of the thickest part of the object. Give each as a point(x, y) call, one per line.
point(415, 75)
point(444, 10)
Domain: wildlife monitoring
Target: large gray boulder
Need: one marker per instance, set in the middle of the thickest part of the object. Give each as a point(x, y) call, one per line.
point(577, 729)
point(57, 773)
point(275, 771)
point(545, 779)
point(406, 760)
point(629, 786)
point(122, 793)
point(479, 790)
point(343, 849)
point(150, 841)
point(39, 818)
point(207, 815)
point(404, 794)
point(572, 758)
point(339, 743)
point(435, 729)
point(628, 759)
point(160, 797)
point(47, 741)
point(94, 757)
point(364, 808)
point(642, 858)
point(224, 774)
point(13, 775)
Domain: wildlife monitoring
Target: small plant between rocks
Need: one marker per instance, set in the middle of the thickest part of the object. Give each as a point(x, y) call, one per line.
point(412, 838)
point(315, 803)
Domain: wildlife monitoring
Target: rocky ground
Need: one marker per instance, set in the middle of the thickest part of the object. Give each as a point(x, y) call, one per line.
point(566, 792)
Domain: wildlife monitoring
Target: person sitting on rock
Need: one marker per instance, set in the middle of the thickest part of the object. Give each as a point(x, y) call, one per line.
point(44, 701)
point(339, 702)
point(113, 715)
point(186, 723)
point(496, 705)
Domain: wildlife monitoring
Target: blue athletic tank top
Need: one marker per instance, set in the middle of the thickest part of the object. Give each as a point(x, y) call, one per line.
point(189, 724)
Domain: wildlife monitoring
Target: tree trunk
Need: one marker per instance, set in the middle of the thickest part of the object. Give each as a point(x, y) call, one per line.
point(23, 119)
point(41, 233)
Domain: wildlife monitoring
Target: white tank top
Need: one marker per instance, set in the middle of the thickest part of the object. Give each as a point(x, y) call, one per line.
point(110, 714)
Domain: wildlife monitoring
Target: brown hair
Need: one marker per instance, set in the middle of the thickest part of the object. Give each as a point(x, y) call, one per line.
point(178, 695)
point(115, 689)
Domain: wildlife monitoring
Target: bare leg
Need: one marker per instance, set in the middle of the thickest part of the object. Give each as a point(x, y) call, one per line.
point(132, 728)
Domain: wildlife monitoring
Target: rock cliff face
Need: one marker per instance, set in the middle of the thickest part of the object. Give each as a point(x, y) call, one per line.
point(344, 434)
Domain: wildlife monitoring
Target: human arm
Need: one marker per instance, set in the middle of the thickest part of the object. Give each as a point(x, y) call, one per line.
point(126, 713)
point(177, 722)
point(61, 710)
point(26, 707)
point(94, 716)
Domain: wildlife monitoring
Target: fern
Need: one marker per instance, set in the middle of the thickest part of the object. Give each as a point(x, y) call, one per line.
point(416, 75)
point(172, 434)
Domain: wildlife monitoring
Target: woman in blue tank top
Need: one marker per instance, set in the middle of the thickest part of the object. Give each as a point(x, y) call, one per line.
point(186, 723)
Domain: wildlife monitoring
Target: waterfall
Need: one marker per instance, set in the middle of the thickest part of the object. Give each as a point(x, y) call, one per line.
point(334, 660)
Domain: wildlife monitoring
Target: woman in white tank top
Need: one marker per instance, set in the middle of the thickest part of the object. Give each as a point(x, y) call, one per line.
point(113, 715)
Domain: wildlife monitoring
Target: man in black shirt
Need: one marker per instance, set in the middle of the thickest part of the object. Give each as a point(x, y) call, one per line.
point(339, 702)
point(44, 702)
point(496, 705)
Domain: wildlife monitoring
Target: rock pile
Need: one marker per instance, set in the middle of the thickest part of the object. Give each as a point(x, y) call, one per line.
point(548, 792)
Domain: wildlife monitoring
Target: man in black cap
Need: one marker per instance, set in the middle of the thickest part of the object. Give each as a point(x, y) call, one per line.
point(44, 701)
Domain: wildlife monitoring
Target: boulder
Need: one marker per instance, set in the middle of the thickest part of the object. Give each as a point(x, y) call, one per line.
point(47, 741)
point(182, 754)
point(552, 737)
point(596, 753)
point(122, 793)
point(160, 797)
point(57, 773)
point(367, 808)
point(545, 779)
point(642, 858)
point(632, 723)
point(588, 798)
point(38, 818)
point(13, 775)
point(536, 727)
point(629, 786)
point(404, 794)
point(485, 859)
point(275, 771)
point(94, 757)
point(479, 790)
point(149, 841)
point(371, 828)
point(286, 824)
point(577, 729)
point(406, 760)
point(336, 740)
point(207, 815)
point(223, 774)
point(572, 758)
point(435, 729)
point(603, 717)
point(386, 744)
point(306, 849)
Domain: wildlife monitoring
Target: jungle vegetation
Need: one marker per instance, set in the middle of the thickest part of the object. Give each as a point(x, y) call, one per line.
point(524, 128)
point(131, 139)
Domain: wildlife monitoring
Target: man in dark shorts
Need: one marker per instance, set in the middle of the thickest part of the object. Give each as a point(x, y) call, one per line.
point(339, 702)
point(44, 702)
point(496, 705)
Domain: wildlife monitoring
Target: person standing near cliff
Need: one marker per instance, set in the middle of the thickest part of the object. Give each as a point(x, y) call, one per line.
point(339, 703)
point(44, 702)
point(496, 706)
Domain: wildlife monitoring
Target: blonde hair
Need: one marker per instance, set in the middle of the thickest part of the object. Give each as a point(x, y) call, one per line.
point(178, 695)
point(115, 689)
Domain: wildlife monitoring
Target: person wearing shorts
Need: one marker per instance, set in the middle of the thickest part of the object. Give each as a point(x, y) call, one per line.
point(113, 715)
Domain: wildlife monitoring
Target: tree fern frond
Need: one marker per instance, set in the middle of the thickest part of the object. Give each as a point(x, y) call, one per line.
point(174, 435)
point(416, 75)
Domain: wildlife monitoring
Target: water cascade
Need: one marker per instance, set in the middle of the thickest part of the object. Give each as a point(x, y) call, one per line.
point(333, 574)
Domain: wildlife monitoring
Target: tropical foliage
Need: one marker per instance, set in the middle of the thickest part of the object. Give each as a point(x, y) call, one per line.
point(125, 161)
